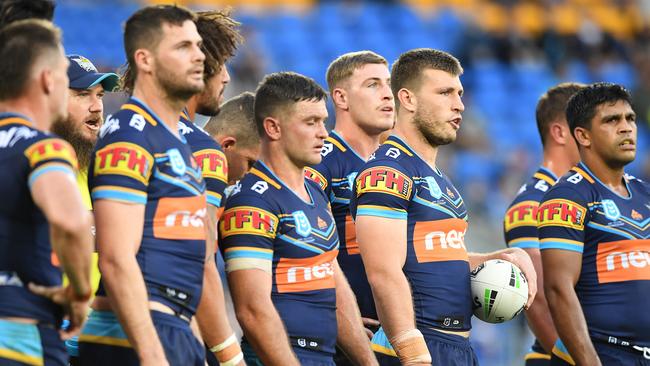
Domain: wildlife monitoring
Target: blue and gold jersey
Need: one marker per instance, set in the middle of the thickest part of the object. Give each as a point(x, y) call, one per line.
point(398, 184)
point(210, 157)
point(336, 174)
point(520, 220)
point(25, 250)
point(265, 224)
point(612, 233)
point(520, 223)
point(138, 160)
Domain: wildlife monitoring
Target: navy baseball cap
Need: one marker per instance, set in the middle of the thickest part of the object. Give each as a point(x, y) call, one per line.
point(83, 75)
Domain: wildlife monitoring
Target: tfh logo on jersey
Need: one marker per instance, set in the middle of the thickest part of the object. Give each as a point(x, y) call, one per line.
point(124, 158)
point(384, 179)
point(561, 212)
point(625, 260)
point(50, 149)
point(522, 214)
point(306, 274)
point(315, 176)
point(180, 218)
point(213, 164)
point(440, 240)
point(248, 220)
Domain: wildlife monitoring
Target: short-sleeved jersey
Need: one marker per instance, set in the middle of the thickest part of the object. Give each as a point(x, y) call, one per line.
point(210, 157)
point(397, 184)
point(139, 160)
point(25, 249)
point(265, 221)
point(520, 220)
point(336, 174)
point(612, 233)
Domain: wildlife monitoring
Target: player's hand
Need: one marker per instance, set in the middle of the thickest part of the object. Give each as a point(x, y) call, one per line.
point(75, 309)
point(370, 325)
point(521, 259)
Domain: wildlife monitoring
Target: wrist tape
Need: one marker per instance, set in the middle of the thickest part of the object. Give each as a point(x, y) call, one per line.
point(411, 347)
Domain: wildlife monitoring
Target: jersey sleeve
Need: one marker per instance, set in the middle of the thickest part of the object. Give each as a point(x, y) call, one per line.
point(247, 230)
point(561, 220)
point(122, 163)
point(214, 168)
point(320, 174)
point(520, 225)
point(382, 189)
point(48, 155)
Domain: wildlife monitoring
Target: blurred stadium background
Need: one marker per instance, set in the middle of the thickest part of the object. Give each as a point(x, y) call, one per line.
point(512, 51)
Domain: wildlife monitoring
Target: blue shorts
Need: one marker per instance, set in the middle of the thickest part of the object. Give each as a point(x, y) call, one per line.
point(30, 344)
point(103, 342)
point(609, 354)
point(445, 349)
point(252, 360)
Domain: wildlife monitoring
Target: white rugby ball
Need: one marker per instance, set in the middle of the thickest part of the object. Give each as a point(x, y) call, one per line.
point(499, 291)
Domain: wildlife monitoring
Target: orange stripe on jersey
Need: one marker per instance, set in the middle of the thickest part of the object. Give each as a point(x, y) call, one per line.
point(351, 244)
point(338, 144)
point(15, 120)
point(306, 274)
point(140, 111)
point(522, 214)
point(213, 164)
point(397, 145)
point(440, 240)
point(545, 178)
point(265, 177)
point(624, 260)
point(584, 174)
point(316, 176)
point(179, 218)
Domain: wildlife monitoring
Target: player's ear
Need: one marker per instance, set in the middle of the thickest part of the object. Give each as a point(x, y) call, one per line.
point(340, 98)
point(143, 60)
point(272, 128)
point(46, 80)
point(559, 133)
point(407, 99)
point(228, 142)
point(583, 137)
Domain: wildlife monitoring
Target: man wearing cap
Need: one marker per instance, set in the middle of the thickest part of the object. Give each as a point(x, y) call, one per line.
point(85, 110)
point(85, 117)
